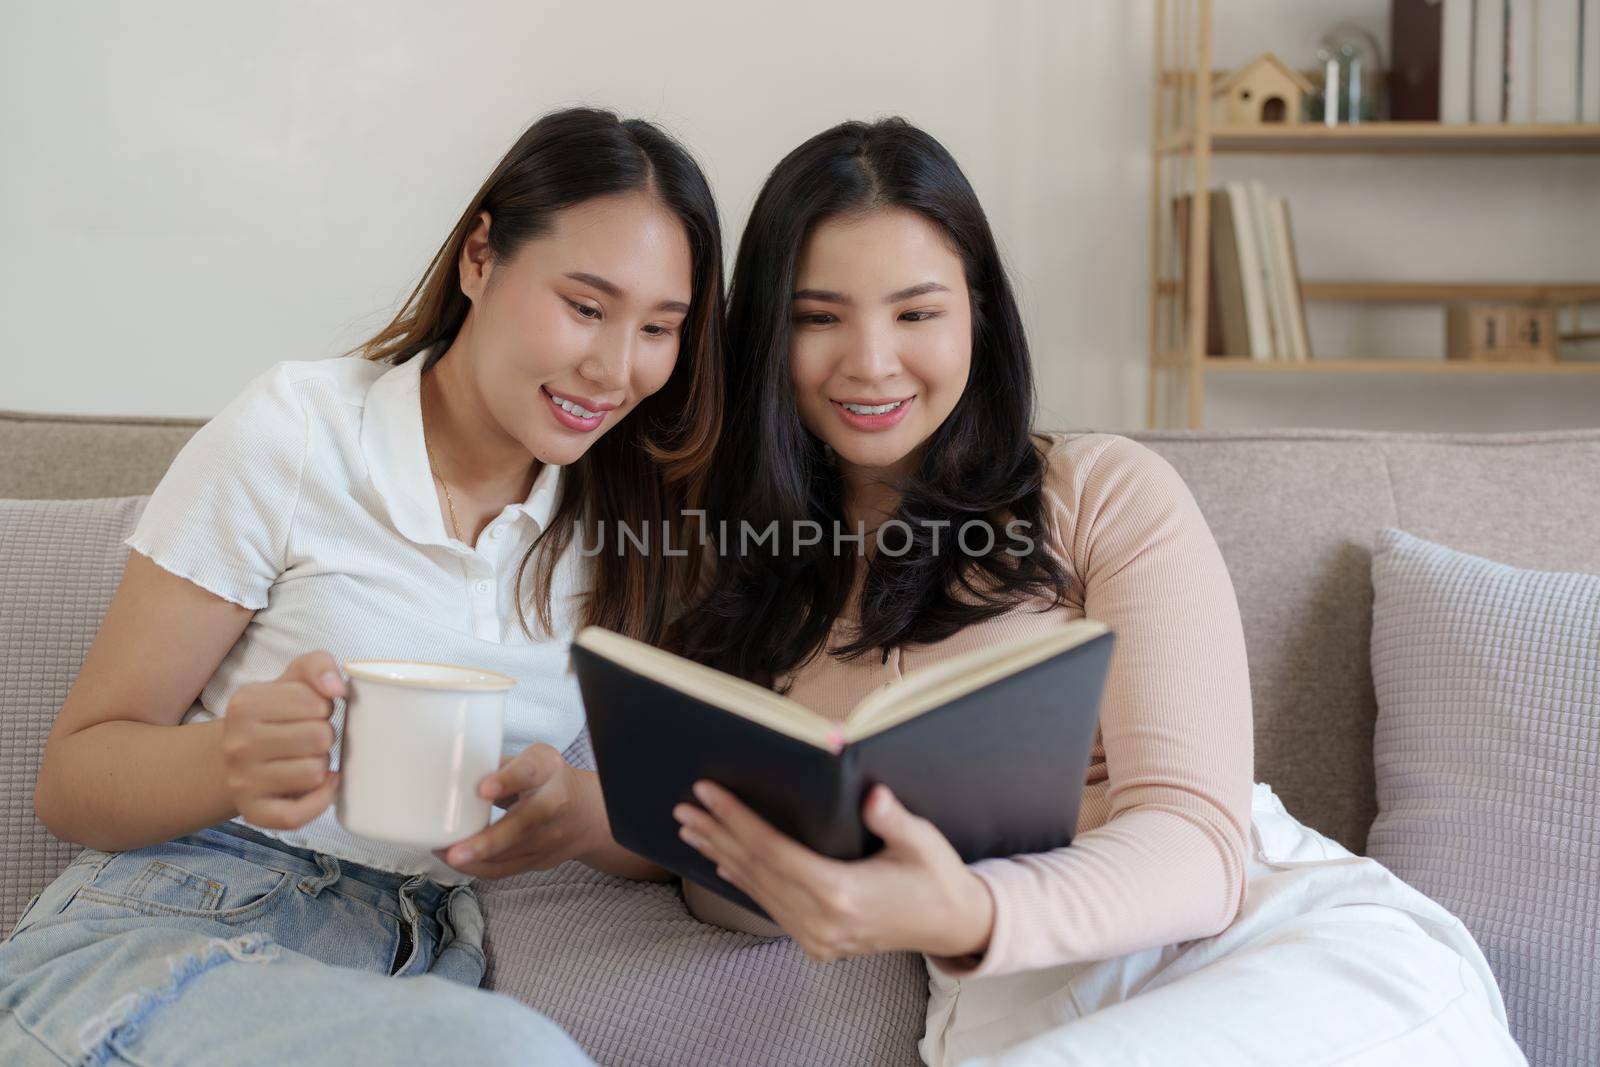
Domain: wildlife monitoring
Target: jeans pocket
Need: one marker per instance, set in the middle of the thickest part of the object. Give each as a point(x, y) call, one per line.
point(54, 898)
point(183, 879)
point(22, 920)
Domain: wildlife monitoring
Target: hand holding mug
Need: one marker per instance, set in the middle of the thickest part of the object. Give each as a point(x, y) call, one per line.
point(276, 737)
point(555, 814)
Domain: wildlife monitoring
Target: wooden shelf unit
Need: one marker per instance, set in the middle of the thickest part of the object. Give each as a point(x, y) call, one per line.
point(1377, 292)
point(1184, 139)
point(1244, 364)
point(1396, 137)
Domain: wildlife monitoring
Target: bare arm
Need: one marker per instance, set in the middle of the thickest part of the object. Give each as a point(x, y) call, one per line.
point(119, 772)
point(611, 858)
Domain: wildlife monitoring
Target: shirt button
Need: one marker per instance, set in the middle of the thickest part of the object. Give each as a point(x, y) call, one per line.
point(480, 587)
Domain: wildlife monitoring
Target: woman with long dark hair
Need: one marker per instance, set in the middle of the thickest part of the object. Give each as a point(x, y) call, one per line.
point(882, 386)
point(558, 367)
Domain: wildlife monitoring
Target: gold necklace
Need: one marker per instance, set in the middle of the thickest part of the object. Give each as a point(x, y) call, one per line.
point(433, 466)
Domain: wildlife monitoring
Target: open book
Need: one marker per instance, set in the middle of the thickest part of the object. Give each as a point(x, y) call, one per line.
point(991, 745)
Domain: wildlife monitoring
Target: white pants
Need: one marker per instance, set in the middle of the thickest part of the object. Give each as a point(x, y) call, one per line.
point(1332, 960)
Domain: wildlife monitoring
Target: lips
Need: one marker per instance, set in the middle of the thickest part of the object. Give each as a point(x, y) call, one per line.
point(875, 417)
point(561, 407)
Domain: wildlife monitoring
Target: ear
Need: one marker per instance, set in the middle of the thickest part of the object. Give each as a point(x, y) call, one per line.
point(477, 261)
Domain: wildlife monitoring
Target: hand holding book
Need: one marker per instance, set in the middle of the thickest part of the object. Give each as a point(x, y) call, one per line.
point(988, 749)
point(914, 895)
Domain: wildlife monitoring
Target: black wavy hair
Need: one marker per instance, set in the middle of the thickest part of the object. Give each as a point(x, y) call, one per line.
point(764, 612)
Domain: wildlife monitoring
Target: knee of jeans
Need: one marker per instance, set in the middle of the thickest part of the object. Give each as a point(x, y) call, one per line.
point(122, 1020)
point(499, 1030)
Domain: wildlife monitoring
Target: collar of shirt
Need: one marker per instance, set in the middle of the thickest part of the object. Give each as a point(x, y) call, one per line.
point(397, 460)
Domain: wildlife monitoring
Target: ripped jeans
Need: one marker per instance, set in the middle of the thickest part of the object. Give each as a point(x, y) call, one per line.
point(228, 947)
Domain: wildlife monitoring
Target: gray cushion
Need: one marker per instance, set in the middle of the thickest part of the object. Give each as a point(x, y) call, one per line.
point(1294, 512)
point(60, 562)
point(627, 971)
point(1488, 770)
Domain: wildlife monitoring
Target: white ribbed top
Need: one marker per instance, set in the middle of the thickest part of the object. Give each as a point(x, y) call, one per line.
point(309, 499)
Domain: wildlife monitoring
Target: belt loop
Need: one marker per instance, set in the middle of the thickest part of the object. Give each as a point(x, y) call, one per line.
point(412, 947)
point(312, 884)
point(407, 895)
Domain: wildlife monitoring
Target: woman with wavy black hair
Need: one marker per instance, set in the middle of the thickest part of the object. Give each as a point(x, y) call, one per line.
point(882, 384)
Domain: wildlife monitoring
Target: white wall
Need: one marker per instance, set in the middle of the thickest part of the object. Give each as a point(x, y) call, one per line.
point(193, 190)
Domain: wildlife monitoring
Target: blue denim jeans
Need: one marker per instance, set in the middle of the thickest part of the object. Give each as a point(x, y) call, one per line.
point(226, 946)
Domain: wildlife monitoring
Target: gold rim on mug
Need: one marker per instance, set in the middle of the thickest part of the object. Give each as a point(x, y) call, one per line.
point(370, 670)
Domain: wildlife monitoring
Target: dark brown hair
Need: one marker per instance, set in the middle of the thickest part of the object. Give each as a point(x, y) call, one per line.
point(652, 467)
point(766, 612)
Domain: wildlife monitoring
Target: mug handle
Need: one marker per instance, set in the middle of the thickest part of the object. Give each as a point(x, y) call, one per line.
point(336, 753)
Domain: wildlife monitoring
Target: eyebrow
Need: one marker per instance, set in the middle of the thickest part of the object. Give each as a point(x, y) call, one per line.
point(612, 289)
point(828, 296)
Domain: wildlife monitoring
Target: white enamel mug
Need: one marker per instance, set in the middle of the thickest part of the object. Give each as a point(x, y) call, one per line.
point(418, 739)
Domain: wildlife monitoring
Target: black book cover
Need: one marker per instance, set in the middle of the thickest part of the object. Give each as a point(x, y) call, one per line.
point(999, 770)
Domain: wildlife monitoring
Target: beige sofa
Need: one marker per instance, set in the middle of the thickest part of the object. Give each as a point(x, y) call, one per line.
point(1294, 513)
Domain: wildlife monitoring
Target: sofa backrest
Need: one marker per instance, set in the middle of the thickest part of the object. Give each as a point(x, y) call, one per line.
point(1294, 513)
point(77, 457)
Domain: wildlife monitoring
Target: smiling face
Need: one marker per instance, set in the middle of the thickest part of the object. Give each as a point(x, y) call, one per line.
point(580, 324)
point(882, 338)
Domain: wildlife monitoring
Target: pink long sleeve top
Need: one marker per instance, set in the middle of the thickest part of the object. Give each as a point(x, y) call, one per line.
point(1159, 855)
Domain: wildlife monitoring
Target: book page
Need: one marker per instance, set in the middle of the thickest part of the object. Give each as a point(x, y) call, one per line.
point(906, 698)
point(731, 694)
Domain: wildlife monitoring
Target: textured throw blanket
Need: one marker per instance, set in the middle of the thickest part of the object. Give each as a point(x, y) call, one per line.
point(636, 979)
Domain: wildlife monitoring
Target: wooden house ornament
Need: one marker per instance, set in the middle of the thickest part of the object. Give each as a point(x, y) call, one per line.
point(1265, 91)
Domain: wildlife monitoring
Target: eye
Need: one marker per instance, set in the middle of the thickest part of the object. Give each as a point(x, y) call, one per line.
point(815, 318)
point(919, 316)
point(657, 330)
point(585, 310)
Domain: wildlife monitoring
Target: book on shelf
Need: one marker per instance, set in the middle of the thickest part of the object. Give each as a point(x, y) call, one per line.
point(1517, 61)
point(1267, 263)
point(1455, 61)
point(1255, 306)
point(1557, 58)
point(1221, 279)
point(1416, 30)
point(1521, 70)
point(1589, 61)
point(992, 746)
point(1233, 318)
point(1247, 245)
point(1488, 42)
point(1286, 273)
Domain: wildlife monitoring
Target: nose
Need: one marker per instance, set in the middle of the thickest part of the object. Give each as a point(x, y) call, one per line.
point(870, 355)
point(609, 363)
